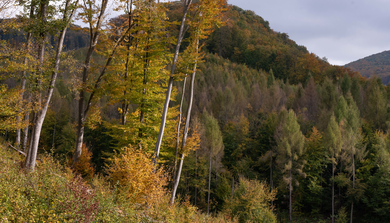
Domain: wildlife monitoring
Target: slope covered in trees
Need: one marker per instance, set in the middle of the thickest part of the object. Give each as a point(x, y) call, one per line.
point(249, 39)
point(376, 64)
point(251, 133)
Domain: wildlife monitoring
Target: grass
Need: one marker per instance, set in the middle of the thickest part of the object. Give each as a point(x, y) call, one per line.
point(53, 193)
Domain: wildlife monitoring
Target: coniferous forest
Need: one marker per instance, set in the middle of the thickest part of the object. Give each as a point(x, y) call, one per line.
point(188, 111)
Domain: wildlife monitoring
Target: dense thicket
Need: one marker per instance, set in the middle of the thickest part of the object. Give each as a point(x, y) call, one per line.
point(264, 109)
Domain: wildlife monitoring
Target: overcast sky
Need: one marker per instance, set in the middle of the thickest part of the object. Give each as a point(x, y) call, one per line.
point(340, 30)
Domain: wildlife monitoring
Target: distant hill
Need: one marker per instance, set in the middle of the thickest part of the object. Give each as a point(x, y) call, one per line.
point(249, 39)
point(246, 38)
point(376, 64)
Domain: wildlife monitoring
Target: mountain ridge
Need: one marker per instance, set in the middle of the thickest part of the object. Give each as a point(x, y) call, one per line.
point(376, 64)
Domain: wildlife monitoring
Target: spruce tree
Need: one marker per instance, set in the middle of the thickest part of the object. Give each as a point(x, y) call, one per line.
point(333, 142)
point(214, 143)
point(351, 138)
point(290, 148)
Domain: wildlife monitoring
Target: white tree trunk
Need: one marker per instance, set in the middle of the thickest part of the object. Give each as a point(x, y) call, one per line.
point(32, 155)
point(170, 83)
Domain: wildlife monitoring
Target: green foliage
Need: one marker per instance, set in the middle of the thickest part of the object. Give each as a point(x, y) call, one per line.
point(213, 135)
point(54, 193)
point(342, 216)
point(376, 107)
point(311, 190)
point(290, 148)
point(251, 202)
point(11, 106)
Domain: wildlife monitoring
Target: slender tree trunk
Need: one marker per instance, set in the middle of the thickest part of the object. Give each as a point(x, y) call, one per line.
point(186, 127)
point(196, 174)
point(54, 132)
point(94, 36)
point(270, 178)
point(25, 131)
point(30, 161)
point(18, 119)
point(231, 199)
point(170, 83)
point(351, 211)
point(290, 189)
point(341, 167)
point(85, 107)
point(32, 153)
point(353, 180)
point(208, 197)
point(125, 103)
point(177, 179)
point(333, 168)
point(178, 128)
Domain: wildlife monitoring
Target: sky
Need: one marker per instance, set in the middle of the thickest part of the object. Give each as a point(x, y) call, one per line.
point(340, 30)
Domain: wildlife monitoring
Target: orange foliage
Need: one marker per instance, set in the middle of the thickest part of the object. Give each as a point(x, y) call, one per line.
point(84, 165)
point(137, 178)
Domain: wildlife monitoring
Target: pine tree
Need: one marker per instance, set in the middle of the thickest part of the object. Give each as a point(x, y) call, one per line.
point(213, 142)
point(290, 148)
point(333, 142)
point(376, 107)
point(351, 138)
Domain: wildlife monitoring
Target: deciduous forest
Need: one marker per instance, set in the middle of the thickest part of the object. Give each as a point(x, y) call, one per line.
point(187, 111)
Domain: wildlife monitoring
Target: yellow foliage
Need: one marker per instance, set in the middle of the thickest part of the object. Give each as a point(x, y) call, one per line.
point(84, 165)
point(251, 202)
point(136, 176)
point(11, 106)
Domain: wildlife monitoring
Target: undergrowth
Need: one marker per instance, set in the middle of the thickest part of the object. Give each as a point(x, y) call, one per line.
point(53, 193)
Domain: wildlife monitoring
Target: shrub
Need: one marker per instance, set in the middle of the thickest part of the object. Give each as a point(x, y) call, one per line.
point(137, 177)
point(251, 202)
point(84, 165)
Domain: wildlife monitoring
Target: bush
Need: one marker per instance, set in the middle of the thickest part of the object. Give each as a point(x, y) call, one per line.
point(53, 193)
point(137, 177)
point(251, 202)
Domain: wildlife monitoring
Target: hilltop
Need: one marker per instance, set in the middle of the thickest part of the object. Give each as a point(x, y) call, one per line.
point(376, 64)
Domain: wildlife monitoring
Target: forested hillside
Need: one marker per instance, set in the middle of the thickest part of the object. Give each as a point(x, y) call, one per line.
point(374, 65)
point(208, 116)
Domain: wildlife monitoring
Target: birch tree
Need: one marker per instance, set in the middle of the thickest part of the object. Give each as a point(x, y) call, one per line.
point(42, 99)
point(202, 17)
point(202, 24)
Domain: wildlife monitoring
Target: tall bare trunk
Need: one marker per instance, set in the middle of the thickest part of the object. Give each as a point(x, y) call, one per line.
point(177, 179)
point(196, 174)
point(170, 83)
point(19, 118)
point(25, 131)
point(94, 36)
point(85, 107)
point(290, 189)
point(333, 192)
point(208, 196)
point(270, 177)
point(231, 199)
point(186, 127)
point(353, 181)
point(178, 128)
point(32, 153)
point(41, 114)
